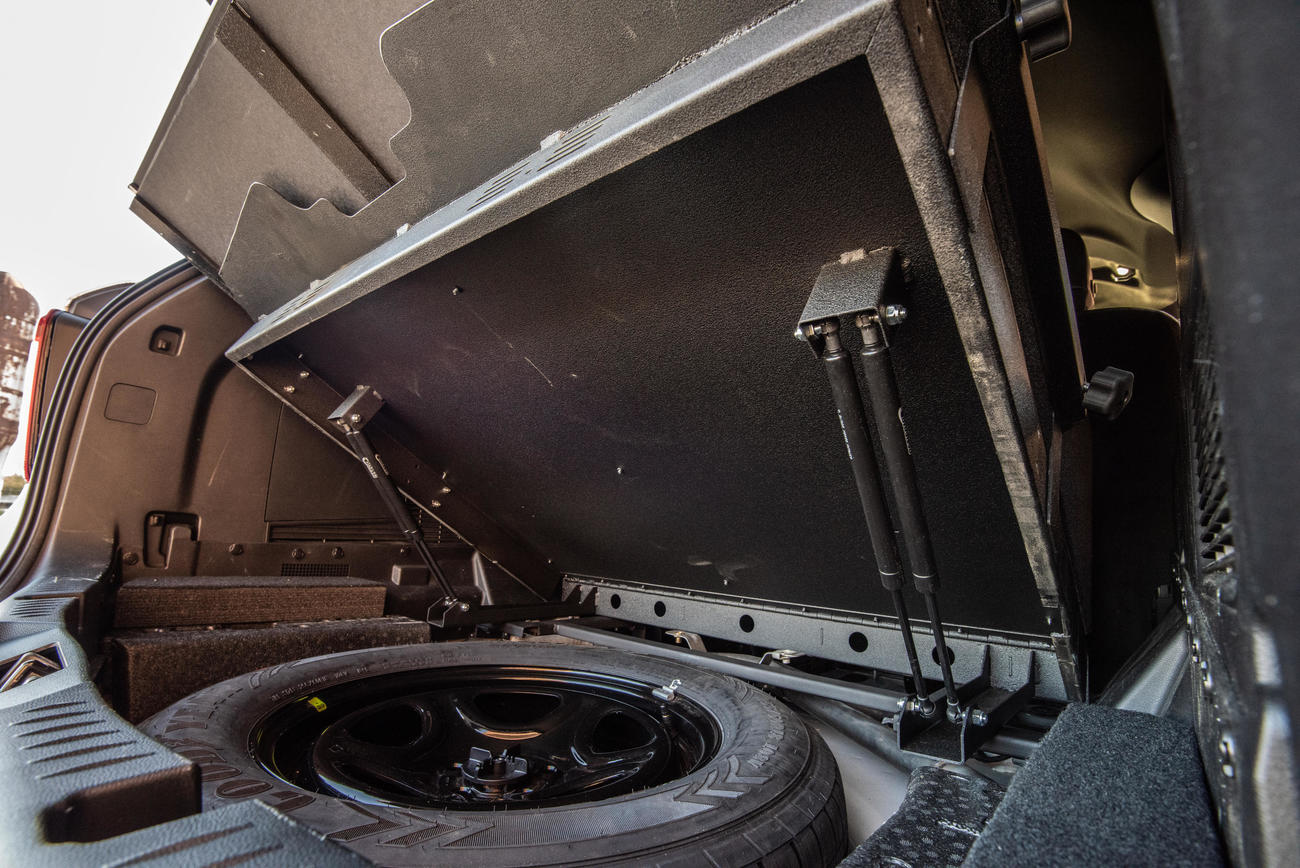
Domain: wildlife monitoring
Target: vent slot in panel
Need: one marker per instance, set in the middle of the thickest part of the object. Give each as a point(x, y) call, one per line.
point(1213, 511)
point(297, 569)
point(36, 608)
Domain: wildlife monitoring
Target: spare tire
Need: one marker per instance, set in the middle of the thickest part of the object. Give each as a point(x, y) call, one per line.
point(493, 753)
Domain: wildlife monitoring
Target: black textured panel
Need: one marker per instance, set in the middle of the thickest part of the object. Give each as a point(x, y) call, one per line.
point(941, 816)
point(153, 668)
point(617, 381)
point(1106, 787)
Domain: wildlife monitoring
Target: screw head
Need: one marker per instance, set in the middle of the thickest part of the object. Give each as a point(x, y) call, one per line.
point(355, 418)
point(235, 549)
point(289, 390)
point(297, 554)
point(130, 559)
point(978, 716)
point(336, 553)
point(302, 375)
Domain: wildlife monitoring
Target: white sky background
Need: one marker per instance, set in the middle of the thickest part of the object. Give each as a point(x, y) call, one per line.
point(83, 85)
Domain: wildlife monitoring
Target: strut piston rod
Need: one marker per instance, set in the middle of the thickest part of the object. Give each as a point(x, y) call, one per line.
point(882, 394)
point(866, 473)
point(351, 417)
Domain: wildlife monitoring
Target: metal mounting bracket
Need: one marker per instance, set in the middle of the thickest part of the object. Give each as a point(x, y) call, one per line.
point(956, 737)
point(461, 614)
point(858, 282)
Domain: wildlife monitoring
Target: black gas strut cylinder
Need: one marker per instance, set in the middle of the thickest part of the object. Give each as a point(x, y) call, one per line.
point(855, 287)
point(351, 417)
point(866, 473)
point(882, 394)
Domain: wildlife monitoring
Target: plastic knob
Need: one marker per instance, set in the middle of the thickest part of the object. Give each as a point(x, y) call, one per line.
point(1044, 25)
point(1108, 392)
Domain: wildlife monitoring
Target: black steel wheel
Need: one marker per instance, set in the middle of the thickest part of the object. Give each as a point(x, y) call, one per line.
point(484, 737)
point(518, 753)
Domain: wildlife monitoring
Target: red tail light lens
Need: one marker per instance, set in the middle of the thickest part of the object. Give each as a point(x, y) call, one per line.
point(38, 362)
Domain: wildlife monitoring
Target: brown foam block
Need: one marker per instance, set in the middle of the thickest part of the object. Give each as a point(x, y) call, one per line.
point(151, 669)
point(181, 601)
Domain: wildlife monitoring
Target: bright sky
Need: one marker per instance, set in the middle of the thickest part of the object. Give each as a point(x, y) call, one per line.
point(83, 85)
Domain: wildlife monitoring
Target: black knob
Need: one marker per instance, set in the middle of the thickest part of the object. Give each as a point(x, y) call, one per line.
point(1108, 392)
point(1044, 25)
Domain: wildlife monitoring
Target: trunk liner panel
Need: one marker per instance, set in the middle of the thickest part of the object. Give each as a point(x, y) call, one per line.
point(616, 380)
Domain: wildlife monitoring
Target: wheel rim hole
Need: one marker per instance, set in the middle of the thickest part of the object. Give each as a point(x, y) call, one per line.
point(934, 655)
point(660, 609)
point(619, 732)
point(395, 726)
point(858, 641)
point(516, 708)
point(747, 623)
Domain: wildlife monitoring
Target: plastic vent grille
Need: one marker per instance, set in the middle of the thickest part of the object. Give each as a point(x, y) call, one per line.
point(569, 143)
point(380, 531)
point(36, 608)
point(295, 569)
point(1213, 512)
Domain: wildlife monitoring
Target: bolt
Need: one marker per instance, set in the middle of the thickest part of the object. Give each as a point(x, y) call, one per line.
point(355, 418)
point(435, 503)
point(464, 607)
point(336, 553)
point(289, 390)
point(297, 554)
point(130, 559)
point(302, 375)
point(894, 314)
point(456, 290)
point(235, 549)
point(979, 717)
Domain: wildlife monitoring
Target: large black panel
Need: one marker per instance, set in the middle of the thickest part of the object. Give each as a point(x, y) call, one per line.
point(614, 377)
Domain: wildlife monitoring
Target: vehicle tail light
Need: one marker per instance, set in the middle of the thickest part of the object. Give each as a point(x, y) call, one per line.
point(38, 361)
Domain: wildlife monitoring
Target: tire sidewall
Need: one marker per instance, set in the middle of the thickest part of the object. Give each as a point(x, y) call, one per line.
point(764, 750)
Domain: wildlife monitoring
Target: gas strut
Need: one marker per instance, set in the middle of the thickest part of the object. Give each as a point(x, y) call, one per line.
point(351, 417)
point(866, 473)
point(886, 409)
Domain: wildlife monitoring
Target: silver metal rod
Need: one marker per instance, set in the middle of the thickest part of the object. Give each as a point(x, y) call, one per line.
point(858, 695)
